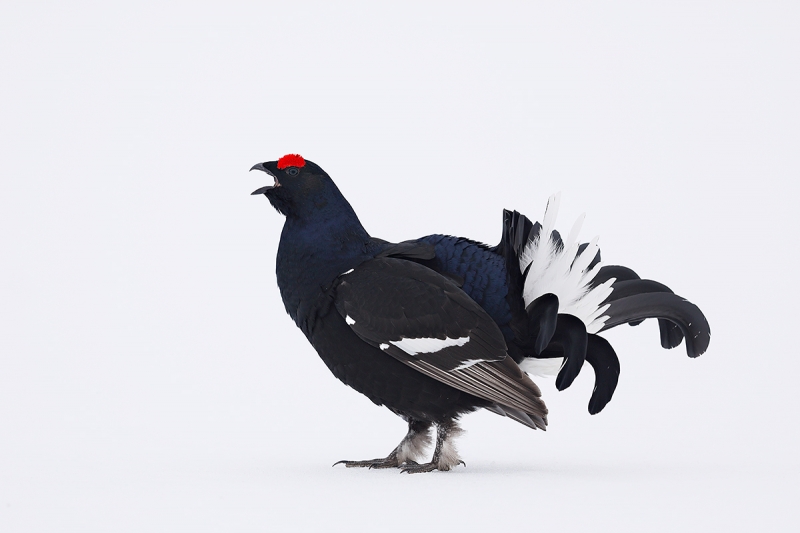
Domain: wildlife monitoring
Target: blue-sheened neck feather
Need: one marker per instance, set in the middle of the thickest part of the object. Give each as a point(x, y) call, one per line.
point(321, 239)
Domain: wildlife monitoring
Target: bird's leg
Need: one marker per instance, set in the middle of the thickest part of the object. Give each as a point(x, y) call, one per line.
point(445, 455)
point(410, 448)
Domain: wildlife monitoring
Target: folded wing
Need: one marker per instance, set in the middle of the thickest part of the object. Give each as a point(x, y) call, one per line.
point(426, 321)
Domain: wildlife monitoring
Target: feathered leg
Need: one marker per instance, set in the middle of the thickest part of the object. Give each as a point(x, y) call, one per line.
point(412, 447)
point(445, 455)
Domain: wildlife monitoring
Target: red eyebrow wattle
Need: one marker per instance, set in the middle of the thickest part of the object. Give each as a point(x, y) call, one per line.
point(291, 160)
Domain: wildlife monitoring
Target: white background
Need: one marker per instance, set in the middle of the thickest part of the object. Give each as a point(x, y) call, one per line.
point(149, 377)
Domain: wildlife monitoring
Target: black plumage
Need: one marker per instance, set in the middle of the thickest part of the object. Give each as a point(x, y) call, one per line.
point(437, 327)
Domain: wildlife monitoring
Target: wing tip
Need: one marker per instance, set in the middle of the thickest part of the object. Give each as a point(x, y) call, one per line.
point(532, 420)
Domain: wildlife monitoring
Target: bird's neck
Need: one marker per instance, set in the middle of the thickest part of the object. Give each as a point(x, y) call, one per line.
point(313, 252)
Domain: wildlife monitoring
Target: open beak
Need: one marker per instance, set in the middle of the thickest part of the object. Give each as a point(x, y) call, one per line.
point(262, 168)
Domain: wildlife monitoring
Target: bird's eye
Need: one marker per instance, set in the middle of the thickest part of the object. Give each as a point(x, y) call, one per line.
point(292, 171)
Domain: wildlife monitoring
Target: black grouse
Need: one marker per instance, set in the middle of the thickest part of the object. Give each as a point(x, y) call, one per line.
point(440, 326)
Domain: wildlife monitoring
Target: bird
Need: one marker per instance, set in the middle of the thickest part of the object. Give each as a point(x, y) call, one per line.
point(440, 326)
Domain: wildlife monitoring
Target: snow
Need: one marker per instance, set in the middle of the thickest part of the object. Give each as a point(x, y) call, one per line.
point(150, 379)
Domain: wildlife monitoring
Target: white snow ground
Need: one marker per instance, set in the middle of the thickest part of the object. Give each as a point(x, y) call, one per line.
point(149, 378)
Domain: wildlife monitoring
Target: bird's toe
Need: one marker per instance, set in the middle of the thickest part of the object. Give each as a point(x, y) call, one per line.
point(386, 462)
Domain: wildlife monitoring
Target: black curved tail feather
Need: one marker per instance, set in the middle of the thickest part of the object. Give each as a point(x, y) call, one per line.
point(569, 341)
point(542, 320)
point(620, 273)
point(664, 305)
point(605, 363)
point(623, 289)
point(572, 336)
point(671, 334)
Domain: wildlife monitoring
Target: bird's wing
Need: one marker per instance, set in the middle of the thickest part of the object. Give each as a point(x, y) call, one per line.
point(424, 320)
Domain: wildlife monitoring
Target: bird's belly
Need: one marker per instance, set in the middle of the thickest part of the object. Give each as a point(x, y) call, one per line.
point(384, 379)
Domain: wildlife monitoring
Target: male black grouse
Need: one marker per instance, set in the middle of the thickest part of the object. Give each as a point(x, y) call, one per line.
point(440, 326)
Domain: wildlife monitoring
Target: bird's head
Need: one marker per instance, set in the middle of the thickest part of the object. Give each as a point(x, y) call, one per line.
point(301, 188)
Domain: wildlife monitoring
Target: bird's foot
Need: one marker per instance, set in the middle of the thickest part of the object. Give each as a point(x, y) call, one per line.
point(414, 468)
point(386, 462)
